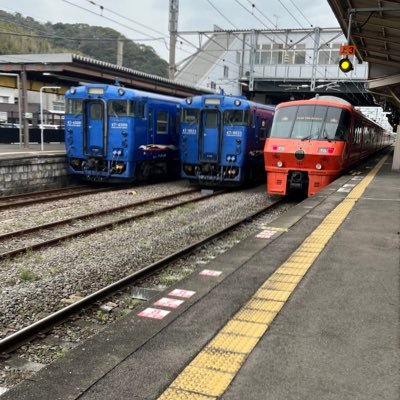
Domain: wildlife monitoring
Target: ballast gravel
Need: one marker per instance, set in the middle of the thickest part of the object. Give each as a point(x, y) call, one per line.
point(34, 284)
point(38, 283)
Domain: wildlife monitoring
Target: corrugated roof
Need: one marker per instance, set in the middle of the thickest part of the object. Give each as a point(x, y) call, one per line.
point(66, 58)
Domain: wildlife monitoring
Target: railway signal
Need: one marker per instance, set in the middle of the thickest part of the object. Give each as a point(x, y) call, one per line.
point(345, 64)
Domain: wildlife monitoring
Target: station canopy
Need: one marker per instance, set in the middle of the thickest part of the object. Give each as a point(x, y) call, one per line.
point(66, 69)
point(375, 31)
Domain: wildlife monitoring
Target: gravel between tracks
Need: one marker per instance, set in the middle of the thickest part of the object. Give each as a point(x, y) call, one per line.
point(86, 264)
point(34, 284)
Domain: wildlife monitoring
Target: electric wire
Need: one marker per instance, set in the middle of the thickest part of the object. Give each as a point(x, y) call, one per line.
point(306, 61)
point(299, 10)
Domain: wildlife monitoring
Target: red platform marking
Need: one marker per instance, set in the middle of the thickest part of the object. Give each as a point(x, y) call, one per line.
point(266, 234)
point(153, 313)
point(210, 272)
point(166, 302)
point(185, 294)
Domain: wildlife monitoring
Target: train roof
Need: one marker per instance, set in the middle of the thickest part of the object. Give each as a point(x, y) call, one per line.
point(112, 90)
point(329, 101)
point(226, 101)
point(325, 100)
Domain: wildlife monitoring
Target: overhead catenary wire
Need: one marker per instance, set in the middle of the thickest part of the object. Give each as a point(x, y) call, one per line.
point(299, 10)
point(306, 61)
point(114, 21)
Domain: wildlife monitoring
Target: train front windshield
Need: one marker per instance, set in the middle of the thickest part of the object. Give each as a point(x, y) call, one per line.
point(311, 122)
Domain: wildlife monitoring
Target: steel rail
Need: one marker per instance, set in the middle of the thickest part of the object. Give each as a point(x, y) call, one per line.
point(42, 192)
point(46, 199)
point(101, 227)
point(65, 221)
point(17, 339)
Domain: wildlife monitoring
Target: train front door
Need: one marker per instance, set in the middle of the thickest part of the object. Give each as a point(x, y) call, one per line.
point(94, 133)
point(210, 136)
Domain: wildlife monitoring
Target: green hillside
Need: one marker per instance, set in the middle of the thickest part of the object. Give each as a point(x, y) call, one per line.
point(139, 57)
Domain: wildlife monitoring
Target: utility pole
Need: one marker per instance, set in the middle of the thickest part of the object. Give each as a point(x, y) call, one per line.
point(315, 58)
point(24, 107)
point(120, 51)
point(173, 30)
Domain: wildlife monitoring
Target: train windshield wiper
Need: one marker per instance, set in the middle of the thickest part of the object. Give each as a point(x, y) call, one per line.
point(306, 138)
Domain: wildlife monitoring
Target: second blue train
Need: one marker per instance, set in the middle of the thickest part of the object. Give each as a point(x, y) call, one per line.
point(222, 139)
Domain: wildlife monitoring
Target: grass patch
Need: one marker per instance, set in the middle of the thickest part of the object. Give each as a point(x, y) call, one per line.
point(27, 275)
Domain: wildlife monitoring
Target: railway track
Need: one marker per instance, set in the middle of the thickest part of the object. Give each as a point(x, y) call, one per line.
point(26, 199)
point(19, 338)
point(45, 235)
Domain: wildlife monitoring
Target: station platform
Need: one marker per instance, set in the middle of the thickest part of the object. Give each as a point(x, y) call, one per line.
point(306, 308)
point(17, 151)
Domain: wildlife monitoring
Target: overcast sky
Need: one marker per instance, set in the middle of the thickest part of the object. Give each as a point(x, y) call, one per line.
point(194, 15)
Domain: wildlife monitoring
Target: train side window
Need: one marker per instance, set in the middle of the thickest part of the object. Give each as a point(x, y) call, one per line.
point(75, 107)
point(150, 117)
point(131, 108)
point(162, 122)
point(264, 130)
point(140, 109)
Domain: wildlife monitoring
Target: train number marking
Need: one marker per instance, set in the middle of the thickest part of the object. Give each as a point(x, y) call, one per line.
point(234, 133)
point(210, 272)
point(167, 302)
point(189, 131)
point(185, 294)
point(153, 313)
point(266, 234)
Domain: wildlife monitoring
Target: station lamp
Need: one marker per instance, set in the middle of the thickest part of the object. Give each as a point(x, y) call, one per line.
point(345, 65)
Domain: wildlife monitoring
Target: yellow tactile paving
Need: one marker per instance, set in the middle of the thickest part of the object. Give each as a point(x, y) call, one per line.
point(285, 278)
point(234, 343)
point(260, 317)
point(292, 271)
point(312, 247)
point(219, 360)
point(244, 328)
point(286, 286)
point(176, 394)
point(301, 257)
point(278, 295)
point(264, 305)
point(210, 373)
point(295, 265)
point(203, 381)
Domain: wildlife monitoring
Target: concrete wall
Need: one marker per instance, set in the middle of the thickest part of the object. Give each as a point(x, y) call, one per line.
point(31, 174)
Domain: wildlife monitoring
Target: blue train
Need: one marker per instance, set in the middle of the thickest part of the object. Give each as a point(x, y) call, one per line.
point(222, 139)
point(117, 134)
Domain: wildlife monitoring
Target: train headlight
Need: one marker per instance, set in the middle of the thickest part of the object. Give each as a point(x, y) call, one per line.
point(189, 100)
point(318, 166)
point(238, 103)
point(121, 91)
point(72, 90)
point(279, 164)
